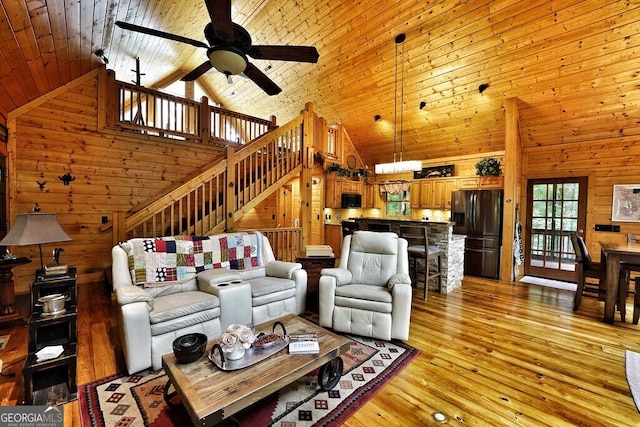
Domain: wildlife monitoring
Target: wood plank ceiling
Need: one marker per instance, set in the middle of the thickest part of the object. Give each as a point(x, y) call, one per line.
point(573, 64)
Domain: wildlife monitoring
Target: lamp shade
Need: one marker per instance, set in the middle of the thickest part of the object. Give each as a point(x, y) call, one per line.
point(35, 229)
point(228, 61)
point(397, 167)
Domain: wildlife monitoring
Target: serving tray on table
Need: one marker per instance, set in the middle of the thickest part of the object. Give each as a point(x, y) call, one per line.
point(252, 355)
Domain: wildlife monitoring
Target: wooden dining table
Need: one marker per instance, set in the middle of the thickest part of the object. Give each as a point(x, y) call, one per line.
point(615, 254)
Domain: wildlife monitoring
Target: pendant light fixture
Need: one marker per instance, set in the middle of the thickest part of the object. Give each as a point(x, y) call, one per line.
point(398, 166)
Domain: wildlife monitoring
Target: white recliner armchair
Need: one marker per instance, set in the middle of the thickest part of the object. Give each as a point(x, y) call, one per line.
point(369, 293)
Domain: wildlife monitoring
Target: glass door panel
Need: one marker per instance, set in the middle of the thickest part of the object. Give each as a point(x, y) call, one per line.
point(554, 213)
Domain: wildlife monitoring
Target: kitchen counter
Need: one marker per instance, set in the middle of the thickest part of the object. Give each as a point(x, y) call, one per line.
point(401, 221)
point(440, 234)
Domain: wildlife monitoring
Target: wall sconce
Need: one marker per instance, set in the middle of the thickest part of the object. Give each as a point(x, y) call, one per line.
point(422, 104)
point(100, 54)
point(66, 178)
point(483, 87)
point(41, 185)
point(377, 117)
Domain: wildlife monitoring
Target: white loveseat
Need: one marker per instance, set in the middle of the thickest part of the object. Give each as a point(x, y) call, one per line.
point(170, 286)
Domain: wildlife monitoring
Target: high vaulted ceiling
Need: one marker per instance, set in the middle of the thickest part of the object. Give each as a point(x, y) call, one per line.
point(573, 64)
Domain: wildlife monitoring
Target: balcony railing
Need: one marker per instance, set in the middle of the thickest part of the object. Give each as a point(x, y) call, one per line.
point(154, 113)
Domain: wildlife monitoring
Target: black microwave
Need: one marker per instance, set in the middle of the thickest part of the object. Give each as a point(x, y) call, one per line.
point(351, 200)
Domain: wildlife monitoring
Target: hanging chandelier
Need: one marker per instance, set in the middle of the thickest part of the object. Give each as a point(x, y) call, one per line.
point(398, 166)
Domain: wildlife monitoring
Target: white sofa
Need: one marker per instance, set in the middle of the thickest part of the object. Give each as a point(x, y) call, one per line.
point(369, 293)
point(170, 286)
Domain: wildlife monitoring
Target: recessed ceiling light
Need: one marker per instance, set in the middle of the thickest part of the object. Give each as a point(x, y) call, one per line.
point(440, 417)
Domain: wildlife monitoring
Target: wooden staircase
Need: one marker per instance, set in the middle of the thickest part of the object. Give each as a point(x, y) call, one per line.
point(212, 199)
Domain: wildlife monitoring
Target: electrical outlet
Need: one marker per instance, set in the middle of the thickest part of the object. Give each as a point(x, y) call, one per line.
point(607, 227)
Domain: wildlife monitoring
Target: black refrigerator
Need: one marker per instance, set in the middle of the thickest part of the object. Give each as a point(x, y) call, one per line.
point(478, 215)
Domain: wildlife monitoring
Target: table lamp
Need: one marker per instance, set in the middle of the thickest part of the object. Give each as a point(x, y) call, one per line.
point(35, 229)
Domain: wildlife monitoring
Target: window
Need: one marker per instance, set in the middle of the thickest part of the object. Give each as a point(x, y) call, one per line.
point(398, 204)
point(334, 146)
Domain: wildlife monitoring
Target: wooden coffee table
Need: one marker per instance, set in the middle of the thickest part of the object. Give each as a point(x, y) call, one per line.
point(211, 395)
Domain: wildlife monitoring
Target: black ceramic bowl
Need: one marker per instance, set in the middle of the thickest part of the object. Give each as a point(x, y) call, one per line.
point(188, 348)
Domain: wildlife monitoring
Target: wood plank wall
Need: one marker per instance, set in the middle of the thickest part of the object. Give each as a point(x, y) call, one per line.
point(606, 163)
point(112, 170)
point(271, 212)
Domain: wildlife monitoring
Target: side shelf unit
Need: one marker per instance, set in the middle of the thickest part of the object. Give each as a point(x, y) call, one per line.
point(52, 381)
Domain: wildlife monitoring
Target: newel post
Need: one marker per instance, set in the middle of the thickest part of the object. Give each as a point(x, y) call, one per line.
point(118, 231)
point(108, 104)
point(306, 175)
point(205, 120)
point(231, 190)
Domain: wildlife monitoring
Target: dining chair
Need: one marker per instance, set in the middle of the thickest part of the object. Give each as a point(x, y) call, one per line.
point(377, 226)
point(348, 227)
point(419, 248)
point(587, 269)
point(628, 269)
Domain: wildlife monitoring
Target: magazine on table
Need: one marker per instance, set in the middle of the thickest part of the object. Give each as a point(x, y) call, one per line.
point(304, 343)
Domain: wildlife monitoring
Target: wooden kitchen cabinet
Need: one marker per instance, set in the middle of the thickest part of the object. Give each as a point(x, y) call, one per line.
point(371, 196)
point(480, 182)
point(491, 182)
point(335, 188)
point(421, 194)
point(433, 193)
point(442, 189)
point(468, 183)
point(414, 195)
point(332, 198)
point(354, 187)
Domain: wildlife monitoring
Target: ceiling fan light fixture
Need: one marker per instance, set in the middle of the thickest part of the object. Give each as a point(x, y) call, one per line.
point(227, 60)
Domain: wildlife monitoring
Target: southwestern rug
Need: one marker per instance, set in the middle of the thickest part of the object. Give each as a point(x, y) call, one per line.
point(137, 400)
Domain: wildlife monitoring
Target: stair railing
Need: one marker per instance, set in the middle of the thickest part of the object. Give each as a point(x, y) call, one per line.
point(245, 177)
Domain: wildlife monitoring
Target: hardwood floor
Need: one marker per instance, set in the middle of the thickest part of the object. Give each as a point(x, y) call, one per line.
point(493, 353)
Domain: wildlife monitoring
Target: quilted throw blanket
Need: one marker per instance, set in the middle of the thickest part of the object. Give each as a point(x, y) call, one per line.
point(176, 258)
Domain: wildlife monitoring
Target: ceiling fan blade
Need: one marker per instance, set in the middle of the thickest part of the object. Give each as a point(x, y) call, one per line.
point(197, 72)
point(220, 14)
point(261, 80)
point(285, 53)
point(162, 34)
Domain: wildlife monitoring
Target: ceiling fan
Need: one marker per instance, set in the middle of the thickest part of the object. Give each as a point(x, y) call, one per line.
point(229, 45)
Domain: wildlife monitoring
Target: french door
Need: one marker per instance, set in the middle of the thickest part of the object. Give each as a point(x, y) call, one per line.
point(556, 209)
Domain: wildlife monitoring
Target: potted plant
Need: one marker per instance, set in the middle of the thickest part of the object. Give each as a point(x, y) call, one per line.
point(318, 159)
point(339, 170)
point(363, 173)
point(488, 167)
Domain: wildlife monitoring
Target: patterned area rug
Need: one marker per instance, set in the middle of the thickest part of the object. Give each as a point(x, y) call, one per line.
point(137, 400)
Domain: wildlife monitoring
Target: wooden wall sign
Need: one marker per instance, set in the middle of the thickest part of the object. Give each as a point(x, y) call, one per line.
point(434, 172)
